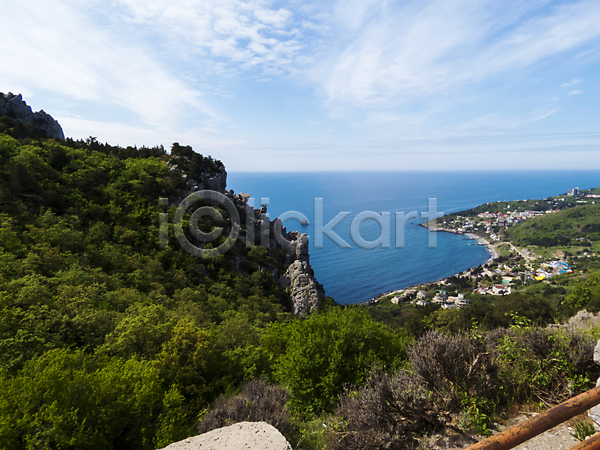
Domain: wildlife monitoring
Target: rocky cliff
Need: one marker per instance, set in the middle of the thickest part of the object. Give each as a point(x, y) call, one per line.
point(198, 181)
point(202, 173)
point(299, 281)
point(14, 106)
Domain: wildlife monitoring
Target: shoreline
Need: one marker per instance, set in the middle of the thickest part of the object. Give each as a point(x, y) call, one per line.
point(482, 241)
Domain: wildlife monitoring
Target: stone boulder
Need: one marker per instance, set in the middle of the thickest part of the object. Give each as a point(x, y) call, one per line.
point(584, 321)
point(242, 435)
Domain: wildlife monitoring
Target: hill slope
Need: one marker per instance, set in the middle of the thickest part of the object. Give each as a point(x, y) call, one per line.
point(560, 228)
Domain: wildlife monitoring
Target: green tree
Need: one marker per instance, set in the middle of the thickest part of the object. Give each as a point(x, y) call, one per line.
point(317, 356)
point(141, 332)
point(72, 400)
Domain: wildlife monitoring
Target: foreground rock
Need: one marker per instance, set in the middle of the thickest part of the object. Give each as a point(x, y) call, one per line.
point(243, 435)
point(14, 107)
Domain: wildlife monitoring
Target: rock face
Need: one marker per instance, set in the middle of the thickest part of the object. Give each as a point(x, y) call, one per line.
point(299, 281)
point(242, 435)
point(214, 183)
point(299, 246)
point(303, 288)
point(14, 107)
point(211, 182)
point(299, 278)
point(200, 181)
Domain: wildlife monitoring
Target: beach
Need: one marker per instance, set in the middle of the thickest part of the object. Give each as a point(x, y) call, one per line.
point(491, 248)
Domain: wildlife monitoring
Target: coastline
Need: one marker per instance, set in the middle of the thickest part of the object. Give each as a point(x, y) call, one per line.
point(482, 241)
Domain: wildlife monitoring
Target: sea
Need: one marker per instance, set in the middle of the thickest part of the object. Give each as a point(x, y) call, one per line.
point(363, 227)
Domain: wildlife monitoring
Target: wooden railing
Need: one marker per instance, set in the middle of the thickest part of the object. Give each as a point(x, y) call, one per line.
point(530, 428)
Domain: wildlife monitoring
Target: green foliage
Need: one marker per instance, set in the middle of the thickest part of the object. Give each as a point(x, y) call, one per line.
point(583, 430)
point(545, 366)
point(72, 400)
point(190, 161)
point(317, 356)
point(413, 319)
point(475, 374)
point(141, 332)
point(82, 277)
point(491, 312)
point(183, 362)
point(559, 229)
point(585, 294)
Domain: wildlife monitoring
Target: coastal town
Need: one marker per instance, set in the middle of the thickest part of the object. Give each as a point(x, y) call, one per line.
point(510, 267)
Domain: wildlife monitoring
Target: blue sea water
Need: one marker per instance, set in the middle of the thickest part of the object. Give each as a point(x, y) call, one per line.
point(355, 274)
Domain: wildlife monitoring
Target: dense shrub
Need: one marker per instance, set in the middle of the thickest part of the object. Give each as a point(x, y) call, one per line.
point(474, 374)
point(257, 402)
point(545, 366)
point(389, 411)
point(81, 268)
point(457, 368)
point(73, 400)
point(317, 356)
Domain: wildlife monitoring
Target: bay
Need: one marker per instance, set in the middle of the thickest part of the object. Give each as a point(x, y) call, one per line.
point(355, 274)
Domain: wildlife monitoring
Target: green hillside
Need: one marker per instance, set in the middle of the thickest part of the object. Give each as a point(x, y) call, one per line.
point(85, 290)
point(579, 226)
point(109, 340)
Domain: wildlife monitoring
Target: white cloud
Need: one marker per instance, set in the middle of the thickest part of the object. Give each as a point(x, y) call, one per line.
point(573, 82)
point(540, 37)
point(354, 14)
point(442, 45)
point(575, 92)
point(542, 114)
point(277, 19)
point(70, 55)
point(130, 55)
point(314, 27)
point(242, 32)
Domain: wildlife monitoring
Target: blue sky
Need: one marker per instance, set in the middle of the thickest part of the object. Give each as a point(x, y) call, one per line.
point(303, 85)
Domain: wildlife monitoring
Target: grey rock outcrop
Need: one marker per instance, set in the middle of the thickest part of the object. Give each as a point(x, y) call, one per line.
point(14, 106)
point(242, 435)
point(299, 246)
point(306, 293)
point(201, 181)
point(583, 321)
point(214, 182)
point(299, 281)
